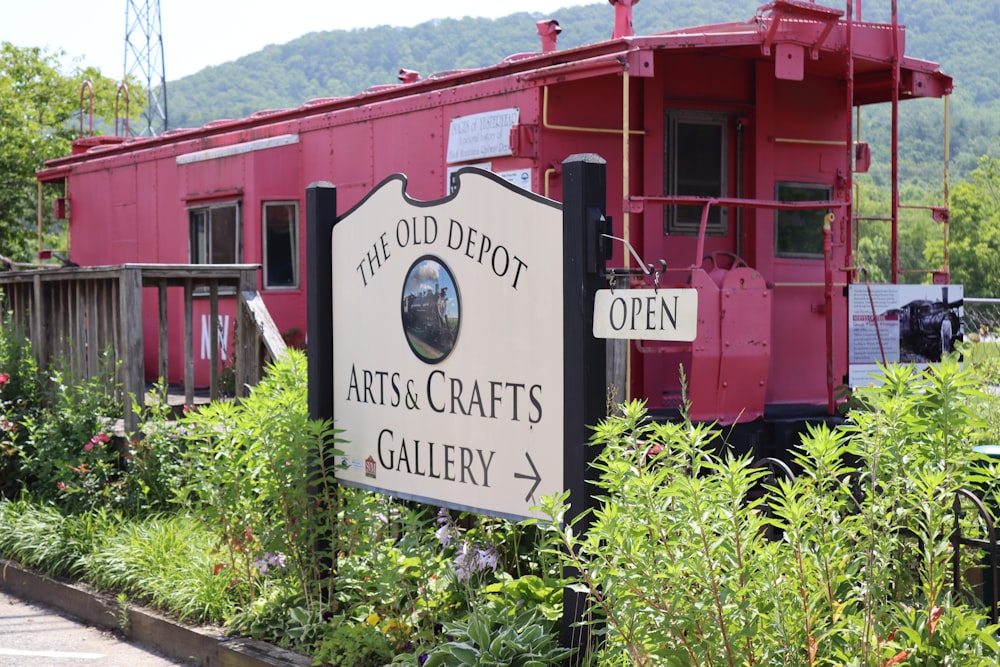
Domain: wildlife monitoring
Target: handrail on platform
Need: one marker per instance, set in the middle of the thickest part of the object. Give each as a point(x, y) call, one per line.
point(77, 314)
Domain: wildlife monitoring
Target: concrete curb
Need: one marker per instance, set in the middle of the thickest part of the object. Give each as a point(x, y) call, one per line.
point(205, 647)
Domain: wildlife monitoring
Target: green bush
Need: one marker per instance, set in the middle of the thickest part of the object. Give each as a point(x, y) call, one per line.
point(698, 559)
point(496, 636)
point(19, 401)
point(354, 644)
point(231, 514)
point(260, 473)
point(67, 456)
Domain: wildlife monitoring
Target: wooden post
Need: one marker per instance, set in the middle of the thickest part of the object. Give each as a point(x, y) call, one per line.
point(188, 342)
point(37, 326)
point(130, 319)
point(248, 370)
point(162, 298)
point(213, 352)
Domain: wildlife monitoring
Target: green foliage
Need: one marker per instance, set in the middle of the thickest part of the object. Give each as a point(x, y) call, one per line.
point(700, 558)
point(499, 637)
point(694, 557)
point(155, 455)
point(260, 473)
point(19, 401)
point(353, 644)
point(975, 229)
point(165, 562)
point(42, 537)
point(38, 107)
point(67, 456)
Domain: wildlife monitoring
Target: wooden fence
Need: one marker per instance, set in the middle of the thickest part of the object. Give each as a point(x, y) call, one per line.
point(89, 316)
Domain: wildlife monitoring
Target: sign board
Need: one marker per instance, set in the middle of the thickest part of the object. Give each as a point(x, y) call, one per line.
point(448, 345)
point(901, 323)
point(646, 314)
point(481, 135)
point(518, 177)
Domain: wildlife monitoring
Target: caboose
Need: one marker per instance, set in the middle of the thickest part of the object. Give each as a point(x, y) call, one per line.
point(730, 150)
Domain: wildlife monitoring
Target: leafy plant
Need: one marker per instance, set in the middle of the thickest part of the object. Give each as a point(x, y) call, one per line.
point(497, 636)
point(350, 643)
point(259, 472)
point(67, 457)
point(698, 557)
point(166, 562)
point(155, 461)
point(19, 401)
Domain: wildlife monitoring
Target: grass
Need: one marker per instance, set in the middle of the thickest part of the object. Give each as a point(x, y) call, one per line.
point(163, 561)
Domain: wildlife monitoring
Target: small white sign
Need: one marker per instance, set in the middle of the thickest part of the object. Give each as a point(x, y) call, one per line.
point(646, 314)
point(519, 177)
point(481, 135)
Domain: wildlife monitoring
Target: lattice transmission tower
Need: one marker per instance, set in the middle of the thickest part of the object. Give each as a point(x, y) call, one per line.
point(144, 61)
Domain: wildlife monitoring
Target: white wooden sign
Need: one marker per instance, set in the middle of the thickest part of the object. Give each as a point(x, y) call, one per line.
point(646, 314)
point(481, 135)
point(448, 345)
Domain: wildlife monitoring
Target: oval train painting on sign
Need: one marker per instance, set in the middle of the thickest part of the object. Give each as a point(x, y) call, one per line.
point(431, 309)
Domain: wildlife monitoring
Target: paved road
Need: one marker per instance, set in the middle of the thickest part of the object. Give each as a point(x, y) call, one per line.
point(34, 636)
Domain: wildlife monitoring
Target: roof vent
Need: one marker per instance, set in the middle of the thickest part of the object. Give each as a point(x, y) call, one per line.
point(549, 30)
point(623, 18)
point(409, 76)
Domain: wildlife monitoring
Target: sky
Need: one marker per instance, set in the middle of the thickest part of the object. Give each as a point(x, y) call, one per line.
point(200, 33)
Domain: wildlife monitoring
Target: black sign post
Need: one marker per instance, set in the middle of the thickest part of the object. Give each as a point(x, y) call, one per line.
point(584, 356)
point(321, 214)
point(584, 201)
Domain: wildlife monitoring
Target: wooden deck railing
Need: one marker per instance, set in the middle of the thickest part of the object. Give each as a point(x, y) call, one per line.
point(79, 314)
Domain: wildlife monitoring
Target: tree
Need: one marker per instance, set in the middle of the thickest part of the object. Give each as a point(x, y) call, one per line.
point(975, 229)
point(39, 118)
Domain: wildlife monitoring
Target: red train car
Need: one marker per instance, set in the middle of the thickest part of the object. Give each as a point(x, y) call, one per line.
point(730, 156)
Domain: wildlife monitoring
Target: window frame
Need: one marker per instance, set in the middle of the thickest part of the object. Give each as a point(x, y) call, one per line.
point(718, 222)
point(815, 216)
point(201, 242)
point(293, 228)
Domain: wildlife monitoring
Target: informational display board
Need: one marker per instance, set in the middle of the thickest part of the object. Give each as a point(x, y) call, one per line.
point(901, 323)
point(448, 345)
point(481, 135)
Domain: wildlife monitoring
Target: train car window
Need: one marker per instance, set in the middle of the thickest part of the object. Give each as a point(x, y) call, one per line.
point(215, 234)
point(696, 155)
point(800, 233)
point(281, 245)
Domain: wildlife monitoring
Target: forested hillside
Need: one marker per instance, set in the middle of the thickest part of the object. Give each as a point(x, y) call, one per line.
point(960, 34)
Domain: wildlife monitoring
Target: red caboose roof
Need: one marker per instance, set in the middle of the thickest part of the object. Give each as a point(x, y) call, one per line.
point(786, 31)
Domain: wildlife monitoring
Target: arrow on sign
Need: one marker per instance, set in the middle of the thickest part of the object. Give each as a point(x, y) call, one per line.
point(534, 475)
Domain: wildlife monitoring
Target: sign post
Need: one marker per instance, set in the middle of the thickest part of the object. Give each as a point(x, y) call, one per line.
point(584, 221)
point(321, 213)
point(452, 342)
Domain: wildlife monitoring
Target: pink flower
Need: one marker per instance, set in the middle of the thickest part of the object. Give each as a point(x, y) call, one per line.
point(99, 439)
point(4, 378)
point(61, 486)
